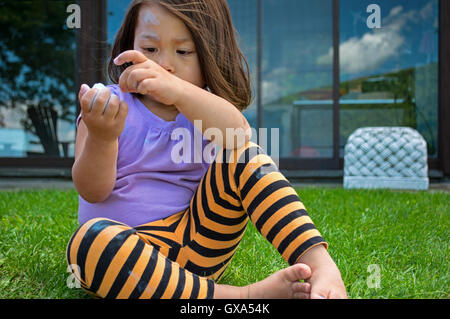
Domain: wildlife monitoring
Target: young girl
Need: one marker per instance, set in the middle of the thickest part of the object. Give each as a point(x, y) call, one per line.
point(152, 227)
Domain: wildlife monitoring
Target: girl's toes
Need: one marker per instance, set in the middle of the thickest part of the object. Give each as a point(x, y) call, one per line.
point(301, 295)
point(298, 272)
point(301, 287)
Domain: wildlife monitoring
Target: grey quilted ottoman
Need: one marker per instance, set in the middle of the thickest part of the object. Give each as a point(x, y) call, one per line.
point(386, 157)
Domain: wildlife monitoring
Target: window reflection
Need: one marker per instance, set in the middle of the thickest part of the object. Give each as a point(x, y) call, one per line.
point(37, 61)
point(244, 16)
point(389, 75)
point(296, 85)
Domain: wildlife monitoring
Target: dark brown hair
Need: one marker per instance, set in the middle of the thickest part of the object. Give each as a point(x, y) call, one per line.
point(214, 35)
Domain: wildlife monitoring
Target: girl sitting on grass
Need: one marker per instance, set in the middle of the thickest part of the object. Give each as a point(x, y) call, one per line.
point(152, 227)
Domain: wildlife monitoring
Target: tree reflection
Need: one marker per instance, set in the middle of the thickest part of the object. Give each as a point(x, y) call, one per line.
point(37, 58)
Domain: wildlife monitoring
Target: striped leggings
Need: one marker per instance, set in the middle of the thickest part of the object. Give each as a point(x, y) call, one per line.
point(181, 256)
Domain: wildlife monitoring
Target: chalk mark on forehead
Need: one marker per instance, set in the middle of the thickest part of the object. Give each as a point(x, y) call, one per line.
point(150, 18)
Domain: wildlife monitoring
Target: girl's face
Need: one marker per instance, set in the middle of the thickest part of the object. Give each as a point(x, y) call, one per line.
point(166, 40)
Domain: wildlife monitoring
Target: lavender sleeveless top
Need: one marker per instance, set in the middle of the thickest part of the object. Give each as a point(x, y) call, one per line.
point(159, 167)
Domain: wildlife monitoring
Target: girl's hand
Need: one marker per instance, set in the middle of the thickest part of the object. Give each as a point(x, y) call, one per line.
point(103, 113)
point(326, 283)
point(148, 78)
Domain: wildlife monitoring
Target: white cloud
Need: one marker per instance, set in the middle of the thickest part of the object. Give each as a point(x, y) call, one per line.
point(272, 89)
point(369, 52)
point(375, 47)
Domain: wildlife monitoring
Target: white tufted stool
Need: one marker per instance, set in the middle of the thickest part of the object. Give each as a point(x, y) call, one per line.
point(386, 157)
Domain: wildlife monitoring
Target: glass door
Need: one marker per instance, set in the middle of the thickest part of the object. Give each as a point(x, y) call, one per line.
point(389, 67)
point(297, 76)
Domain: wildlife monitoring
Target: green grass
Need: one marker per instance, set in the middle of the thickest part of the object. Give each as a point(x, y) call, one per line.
point(404, 233)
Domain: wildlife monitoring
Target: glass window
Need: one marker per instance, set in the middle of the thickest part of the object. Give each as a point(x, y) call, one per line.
point(389, 75)
point(245, 20)
point(116, 10)
point(297, 86)
point(37, 64)
point(116, 13)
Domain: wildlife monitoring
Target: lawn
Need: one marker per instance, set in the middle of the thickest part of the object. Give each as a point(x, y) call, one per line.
point(387, 244)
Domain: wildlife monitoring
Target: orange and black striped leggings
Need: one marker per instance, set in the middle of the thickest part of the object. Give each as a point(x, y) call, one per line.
point(181, 256)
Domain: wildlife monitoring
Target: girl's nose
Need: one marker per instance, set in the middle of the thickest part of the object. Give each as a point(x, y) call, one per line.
point(166, 64)
point(168, 68)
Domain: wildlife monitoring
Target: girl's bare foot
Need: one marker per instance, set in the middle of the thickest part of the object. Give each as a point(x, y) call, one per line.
point(283, 284)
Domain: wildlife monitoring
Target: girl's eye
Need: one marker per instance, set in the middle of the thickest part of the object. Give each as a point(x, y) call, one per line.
point(182, 52)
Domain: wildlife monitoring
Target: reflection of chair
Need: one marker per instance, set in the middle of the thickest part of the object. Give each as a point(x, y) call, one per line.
point(45, 120)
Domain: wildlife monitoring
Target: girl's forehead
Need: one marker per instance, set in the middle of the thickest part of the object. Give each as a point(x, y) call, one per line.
point(155, 19)
point(155, 15)
point(149, 16)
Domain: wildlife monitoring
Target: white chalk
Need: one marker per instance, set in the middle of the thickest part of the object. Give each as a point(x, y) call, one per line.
point(101, 86)
point(98, 86)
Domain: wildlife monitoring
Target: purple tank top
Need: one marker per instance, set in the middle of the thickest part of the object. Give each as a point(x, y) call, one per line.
point(159, 167)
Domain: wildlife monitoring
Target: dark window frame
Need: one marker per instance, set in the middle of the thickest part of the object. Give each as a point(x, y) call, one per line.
point(443, 160)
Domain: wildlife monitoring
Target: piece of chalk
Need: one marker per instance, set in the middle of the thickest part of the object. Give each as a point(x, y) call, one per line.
point(101, 86)
point(98, 86)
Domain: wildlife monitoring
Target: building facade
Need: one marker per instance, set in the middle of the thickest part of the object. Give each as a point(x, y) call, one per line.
point(319, 69)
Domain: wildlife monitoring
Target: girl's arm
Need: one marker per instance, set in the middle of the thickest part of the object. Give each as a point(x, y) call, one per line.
point(96, 145)
point(94, 170)
point(216, 113)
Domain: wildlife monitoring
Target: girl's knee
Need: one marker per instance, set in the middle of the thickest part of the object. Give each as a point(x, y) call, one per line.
point(97, 230)
point(94, 243)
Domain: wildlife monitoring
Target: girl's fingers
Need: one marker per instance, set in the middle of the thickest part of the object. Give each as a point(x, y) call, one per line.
point(86, 100)
point(99, 101)
point(135, 77)
point(123, 80)
point(112, 107)
point(132, 78)
point(123, 111)
point(83, 89)
point(144, 86)
point(133, 56)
